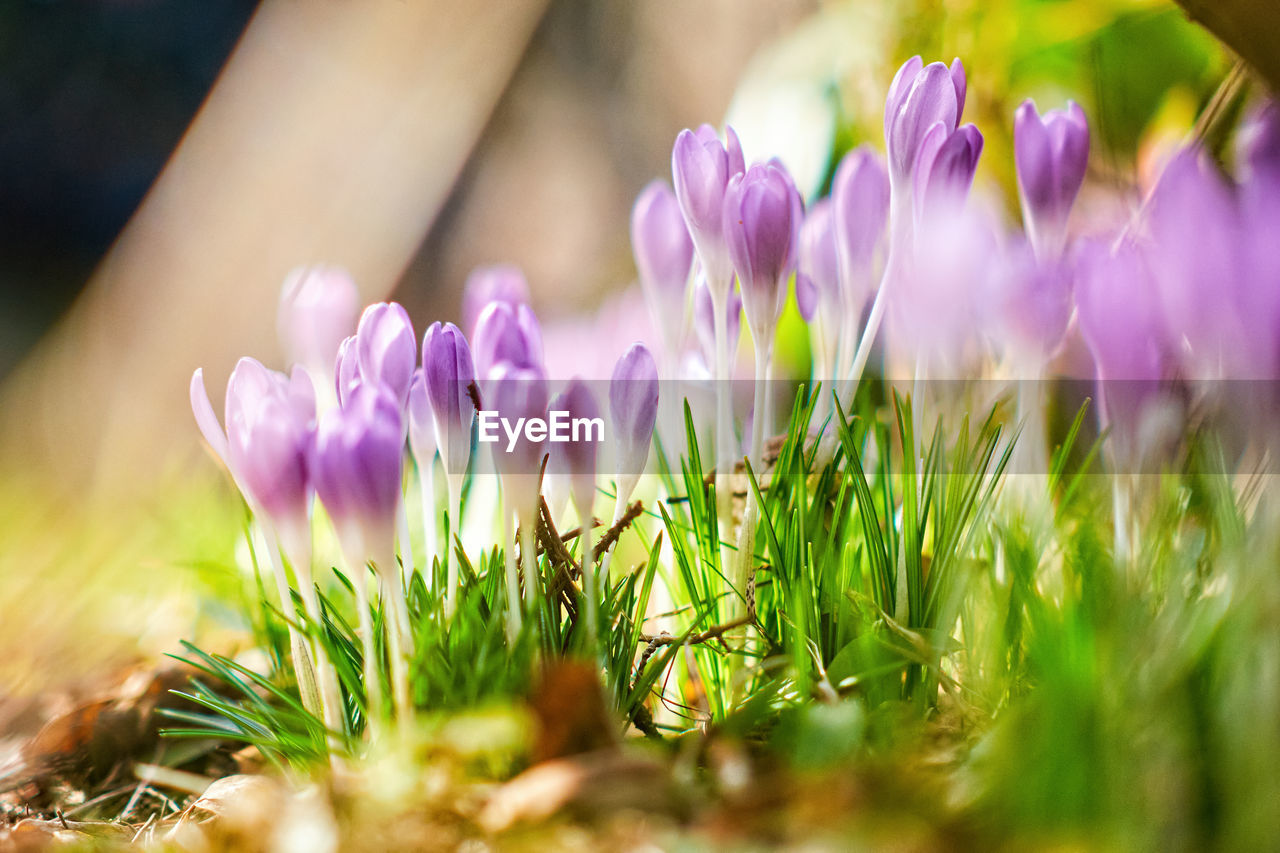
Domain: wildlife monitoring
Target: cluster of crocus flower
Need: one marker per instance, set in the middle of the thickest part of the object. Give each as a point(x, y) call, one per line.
point(1189, 288)
point(337, 428)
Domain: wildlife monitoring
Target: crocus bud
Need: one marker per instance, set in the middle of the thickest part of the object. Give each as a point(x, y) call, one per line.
point(661, 243)
point(506, 332)
point(633, 407)
point(386, 348)
point(945, 166)
point(920, 96)
point(1119, 315)
point(573, 462)
point(449, 373)
point(518, 394)
point(496, 283)
point(1197, 263)
point(318, 308)
point(860, 211)
point(422, 430)
point(701, 168)
point(270, 422)
point(356, 462)
point(1051, 153)
point(704, 321)
point(819, 262)
point(758, 230)
point(346, 369)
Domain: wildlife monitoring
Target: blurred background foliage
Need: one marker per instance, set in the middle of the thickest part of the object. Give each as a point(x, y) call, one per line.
point(95, 95)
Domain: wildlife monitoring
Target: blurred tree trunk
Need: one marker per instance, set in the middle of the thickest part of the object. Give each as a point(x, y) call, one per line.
point(333, 135)
point(1249, 27)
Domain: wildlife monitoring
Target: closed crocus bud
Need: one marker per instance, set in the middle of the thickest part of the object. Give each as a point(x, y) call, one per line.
point(387, 348)
point(819, 262)
point(1119, 315)
point(704, 320)
point(945, 166)
point(1051, 153)
point(633, 408)
point(518, 394)
point(701, 168)
point(357, 461)
point(449, 373)
point(860, 213)
point(661, 244)
point(506, 332)
point(573, 462)
point(422, 428)
point(758, 230)
point(318, 309)
point(496, 283)
point(1197, 262)
point(920, 96)
point(346, 370)
point(270, 422)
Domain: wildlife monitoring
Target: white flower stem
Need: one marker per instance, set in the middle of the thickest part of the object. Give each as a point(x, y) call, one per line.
point(303, 668)
point(529, 559)
point(751, 512)
point(299, 554)
point(724, 441)
point(399, 637)
point(359, 575)
point(590, 582)
point(513, 584)
point(406, 545)
point(453, 532)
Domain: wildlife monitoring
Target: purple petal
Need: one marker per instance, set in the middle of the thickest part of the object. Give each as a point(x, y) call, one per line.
point(633, 407)
point(206, 419)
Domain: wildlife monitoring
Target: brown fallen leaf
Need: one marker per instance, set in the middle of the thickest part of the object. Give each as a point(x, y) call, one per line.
point(585, 786)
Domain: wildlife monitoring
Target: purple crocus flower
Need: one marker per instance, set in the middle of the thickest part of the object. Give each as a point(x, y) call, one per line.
point(506, 332)
point(1197, 263)
point(945, 166)
point(356, 462)
point(1119, 314)
point(758, 215)
point(1051, 153)
point(422, 430)
point(270, 422)
point(448, 372)
point(919, 97)
point(318, 309)
point(661, 244)
point(387, 348)
point(704, 321)
point(573, 462)
point(818, 272)
point(633, 407)
point(495, 283)
point(860, 212)
point(701, 167)
point(517, 394)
